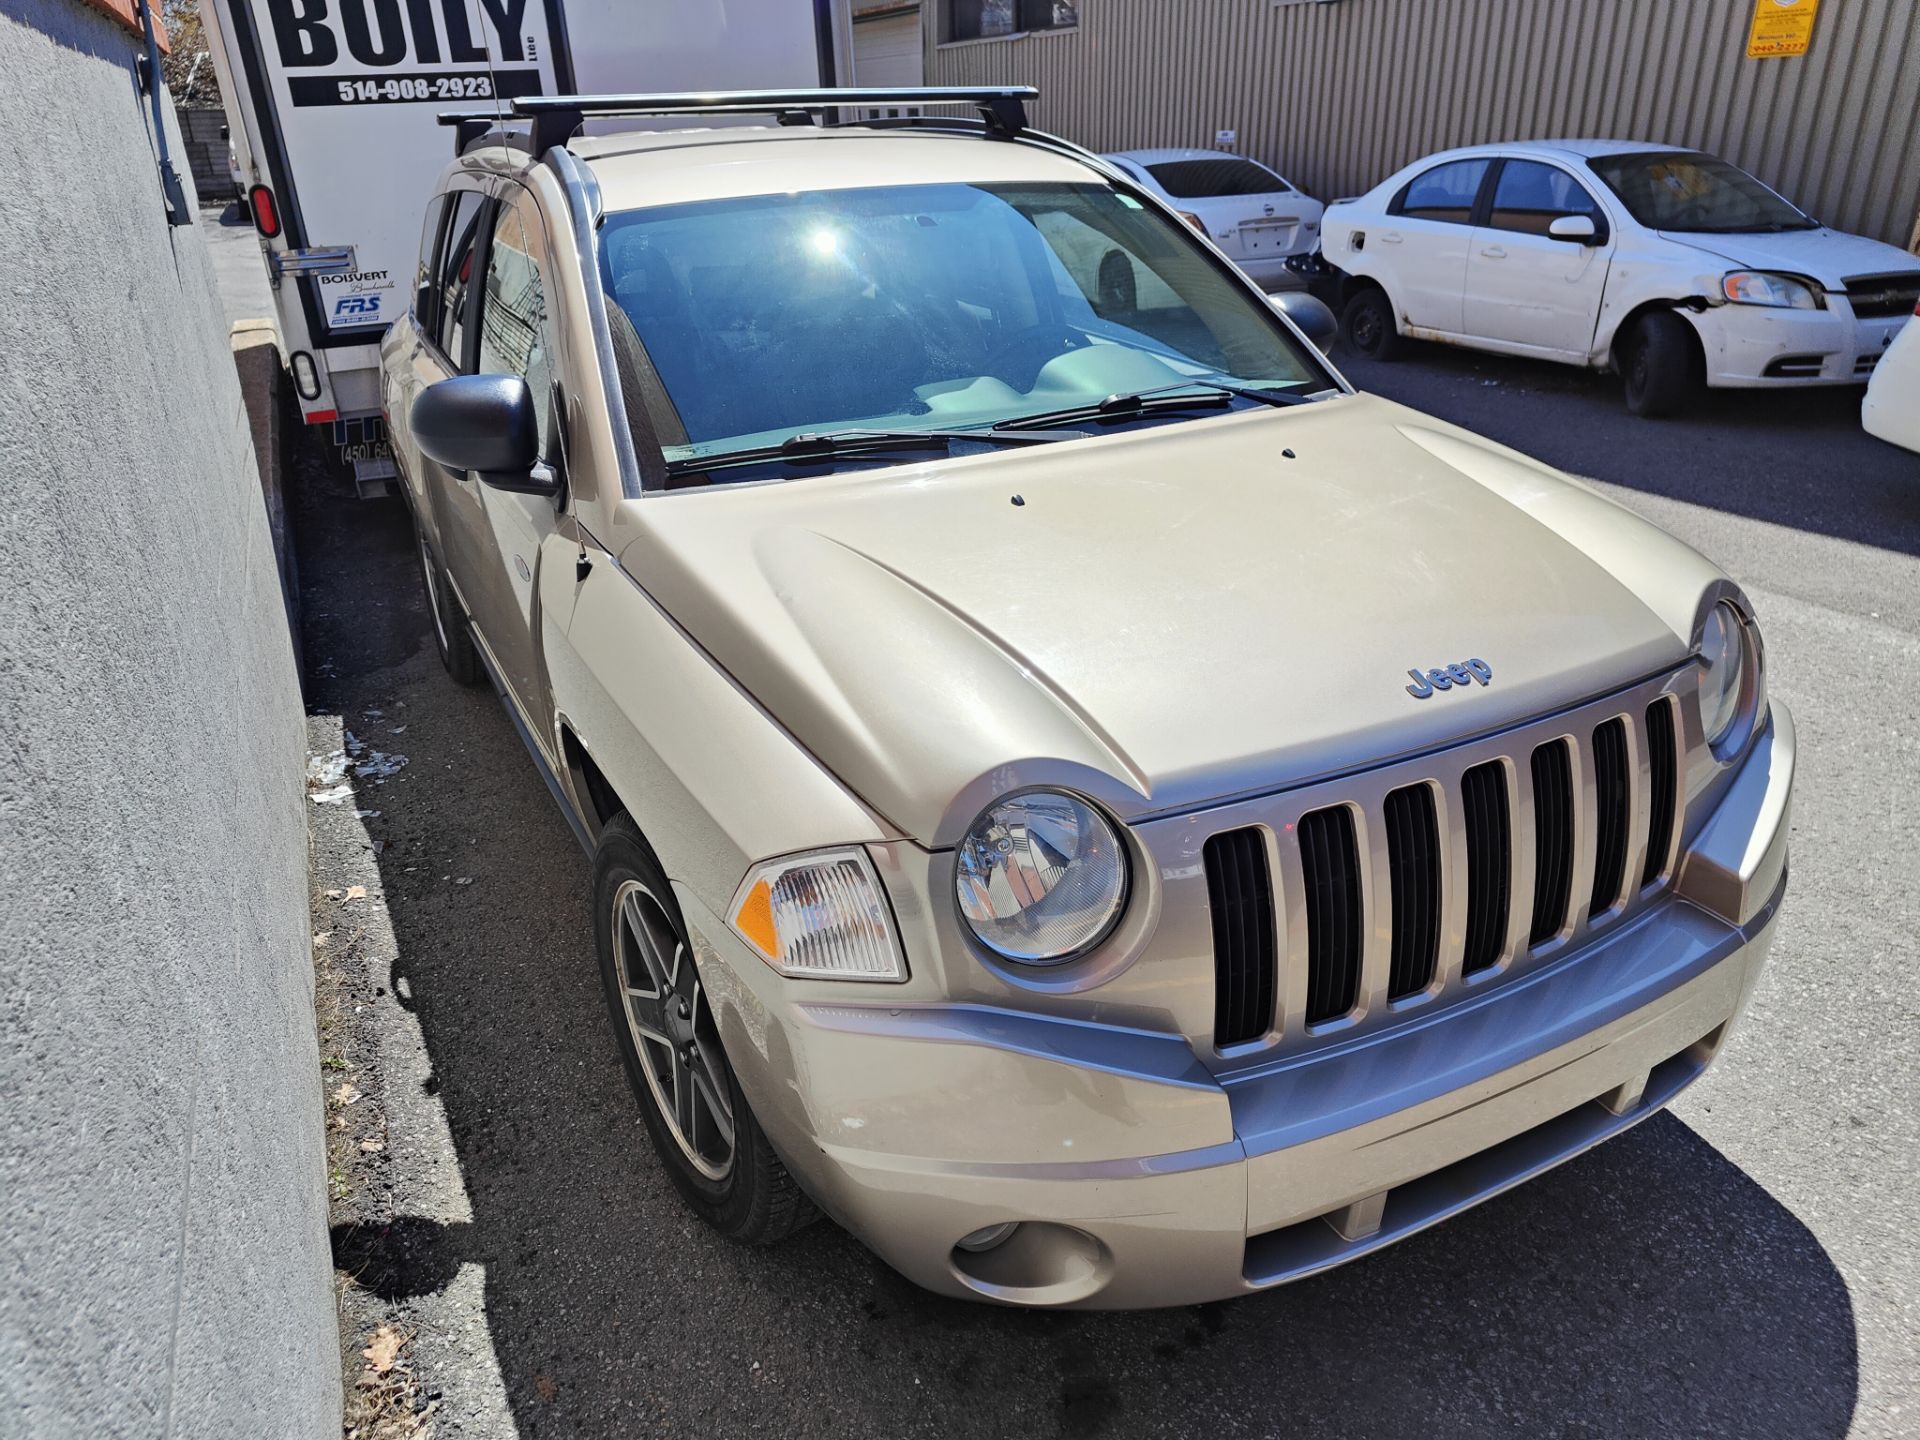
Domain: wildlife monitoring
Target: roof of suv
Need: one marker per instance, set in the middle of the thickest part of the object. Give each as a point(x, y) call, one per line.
point(668, 167)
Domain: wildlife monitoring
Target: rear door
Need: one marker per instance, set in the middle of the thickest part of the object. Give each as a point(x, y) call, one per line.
point(1525, 289)
point(1422, 246)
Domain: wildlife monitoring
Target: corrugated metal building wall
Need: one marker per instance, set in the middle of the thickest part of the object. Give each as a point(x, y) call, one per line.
point(1337, 96)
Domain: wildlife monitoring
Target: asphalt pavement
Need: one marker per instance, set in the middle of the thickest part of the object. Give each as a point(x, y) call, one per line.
point(1743, 1265)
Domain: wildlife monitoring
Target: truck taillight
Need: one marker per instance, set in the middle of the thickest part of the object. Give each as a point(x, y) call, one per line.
point(266, 215)
point(306, 377)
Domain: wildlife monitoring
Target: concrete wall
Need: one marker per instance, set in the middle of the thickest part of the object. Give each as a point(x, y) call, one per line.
point(164, 1265)
point(1336, 97)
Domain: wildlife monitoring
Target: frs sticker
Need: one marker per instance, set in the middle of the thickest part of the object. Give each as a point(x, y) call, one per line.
point(356, 297)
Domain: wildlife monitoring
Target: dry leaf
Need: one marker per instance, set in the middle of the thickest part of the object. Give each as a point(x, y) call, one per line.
point(373, 1147)
point(331, 894)
point(383, 1348)
point(544, 1384)
point(345, 1094)
point(356, 892)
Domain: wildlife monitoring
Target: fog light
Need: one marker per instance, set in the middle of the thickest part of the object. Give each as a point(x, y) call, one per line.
point(987, 1237)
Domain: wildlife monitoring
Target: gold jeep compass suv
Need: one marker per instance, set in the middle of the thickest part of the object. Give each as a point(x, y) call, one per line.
point(1101, 809)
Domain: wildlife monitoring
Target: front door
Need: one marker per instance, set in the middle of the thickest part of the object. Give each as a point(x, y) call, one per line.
point(499, 535)
point(1526, 289)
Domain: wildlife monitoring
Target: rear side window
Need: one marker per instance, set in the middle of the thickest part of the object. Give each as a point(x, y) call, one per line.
point(1529, 197)
point(456, 273)
point(1446, 192)
point(1222, 175)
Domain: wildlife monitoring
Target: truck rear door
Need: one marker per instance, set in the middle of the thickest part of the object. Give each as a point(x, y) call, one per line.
point(346, 98)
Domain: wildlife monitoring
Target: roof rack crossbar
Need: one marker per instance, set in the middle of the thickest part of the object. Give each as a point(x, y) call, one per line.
point(556, 117)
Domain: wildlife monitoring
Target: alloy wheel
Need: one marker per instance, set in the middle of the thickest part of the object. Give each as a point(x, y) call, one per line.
point(672, 1028)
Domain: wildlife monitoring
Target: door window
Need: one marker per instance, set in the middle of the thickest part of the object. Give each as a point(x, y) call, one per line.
point(456, 272)
point(513, 312)
point(1529, 197)
point(1446, 192)
point(426, 294)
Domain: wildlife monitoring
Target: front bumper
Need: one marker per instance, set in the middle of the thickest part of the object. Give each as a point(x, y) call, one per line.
point(1143, 1179)
point(1753, 347)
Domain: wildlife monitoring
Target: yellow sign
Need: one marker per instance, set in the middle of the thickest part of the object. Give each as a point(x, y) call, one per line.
point(1781, 27)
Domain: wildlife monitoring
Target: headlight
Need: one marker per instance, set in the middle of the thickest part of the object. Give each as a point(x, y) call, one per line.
point(1756, 287)
point(1042, 877)
point(1723, 658)
point(819, 917)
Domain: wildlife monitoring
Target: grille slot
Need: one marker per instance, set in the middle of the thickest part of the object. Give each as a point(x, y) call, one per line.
point(1245, 947)
point(1552, 839)
point(1413, 855)
point(1876, 296)
point(1483, 801)
point(1663, 768)
point(1613, 800)
point(1330, 865)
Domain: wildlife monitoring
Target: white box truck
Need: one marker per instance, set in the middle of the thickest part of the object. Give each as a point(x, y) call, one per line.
point(332, 109)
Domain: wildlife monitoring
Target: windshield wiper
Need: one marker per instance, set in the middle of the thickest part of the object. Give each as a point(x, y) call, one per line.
point(811, 447)
point(1129, 404)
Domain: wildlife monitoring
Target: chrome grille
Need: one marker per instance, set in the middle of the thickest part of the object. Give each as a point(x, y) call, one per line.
point(1397, 887)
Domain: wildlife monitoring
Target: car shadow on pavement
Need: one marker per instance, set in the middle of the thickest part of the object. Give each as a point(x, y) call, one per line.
point(1650, 1287)
point(1790, 457)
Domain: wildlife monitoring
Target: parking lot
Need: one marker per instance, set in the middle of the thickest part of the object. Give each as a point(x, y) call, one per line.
point(1741, 1265)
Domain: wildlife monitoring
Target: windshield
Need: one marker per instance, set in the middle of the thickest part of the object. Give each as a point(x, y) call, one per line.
point(1682, 190)
point(744, 322)
point(1215, 176)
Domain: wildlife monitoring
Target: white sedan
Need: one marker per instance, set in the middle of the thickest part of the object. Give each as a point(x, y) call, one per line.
point(1668, 266)
point(1257, 218)
point(1892, 407)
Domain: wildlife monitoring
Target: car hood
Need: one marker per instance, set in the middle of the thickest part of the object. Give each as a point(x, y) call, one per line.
point(1828, 256)
point(1163, 618)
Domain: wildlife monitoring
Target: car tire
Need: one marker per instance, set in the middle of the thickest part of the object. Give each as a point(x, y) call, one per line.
point(1367, 325)
point(1660, 366)
point(723, 1166)
point(451, 636)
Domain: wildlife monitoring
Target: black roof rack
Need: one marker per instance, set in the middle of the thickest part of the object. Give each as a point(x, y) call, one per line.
point(555, 117)
point(469, 125)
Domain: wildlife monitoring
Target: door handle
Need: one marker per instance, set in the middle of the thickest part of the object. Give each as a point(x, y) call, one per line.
point(1391, 237)
point(1493, 252)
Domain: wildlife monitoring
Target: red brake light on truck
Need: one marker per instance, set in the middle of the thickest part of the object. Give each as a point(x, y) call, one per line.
point(266, 215)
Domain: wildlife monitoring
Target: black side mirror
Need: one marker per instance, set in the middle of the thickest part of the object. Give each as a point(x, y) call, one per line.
point(1312, 315)
point(484, 423)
